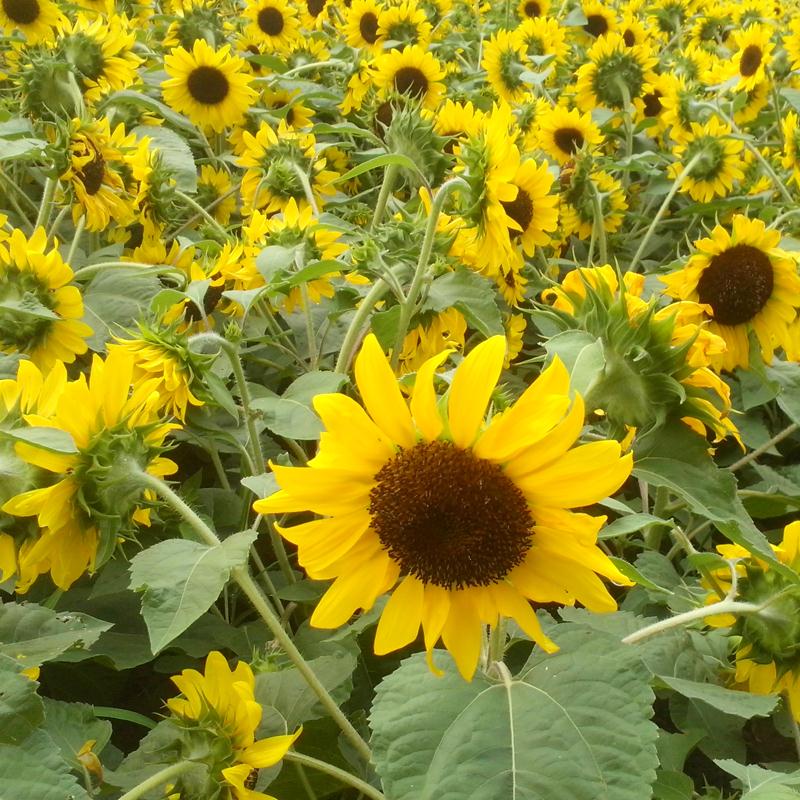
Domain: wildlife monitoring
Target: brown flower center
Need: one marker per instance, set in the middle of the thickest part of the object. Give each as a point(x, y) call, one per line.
point(568, 140)
point(411, 80)
point(652, 104)
point(315, 7)
point(532, 9)
point(750, 60)
point(368, 26)
point(92, 174)
point(629, 37)
point(23, 12)
point(449, 518)
point(270, 20)
point(737, 284)
point(596, 24)
point(520, 209)
point(208, 85)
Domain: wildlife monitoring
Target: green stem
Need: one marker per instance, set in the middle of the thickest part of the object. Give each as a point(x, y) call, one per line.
point(654, 533)
point(307, 190)
point(47, 202)
point(57, 222)
point(310, 333)
point(759, 451)
point(195, 206)
point(408, 305)
point(242, 577)
point(208, 208)
point(357, 324)
point(329, 769)
point(389, 178)
point(597, 204)
point(109, 712)
point(76, 238)
point(776, 101)
point(676, 184)
point(154, 781)
point(497, 641)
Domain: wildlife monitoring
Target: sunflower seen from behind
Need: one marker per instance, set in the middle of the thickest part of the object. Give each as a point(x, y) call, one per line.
point(460, 519)
point(211, 87)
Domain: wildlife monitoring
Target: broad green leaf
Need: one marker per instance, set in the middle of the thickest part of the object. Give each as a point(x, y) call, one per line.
point(740, 704)
point(379, 161)
point(673, 786)
point(34, 770)
point(310, 384)
point(71, 725)
point(288, 417)
point(262, 485)
point(142, 100)
point(176, 155)
point(53, 439)
point(786, 374)
point(34, 634)
point(759, 783)
point(21, 710)
point(26, 306)
point(473, 295)
point(16, 148)
point(180, 579)
point(553, 733)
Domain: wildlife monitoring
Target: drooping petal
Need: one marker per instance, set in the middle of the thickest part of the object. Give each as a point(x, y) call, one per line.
point(462, 633)
point(511, 604)
point(400, 620)
point(424, 403)
point(267, 752)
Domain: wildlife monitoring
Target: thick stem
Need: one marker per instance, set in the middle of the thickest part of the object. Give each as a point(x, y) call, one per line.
point(154, 781)
point(389, 178)
point(676, 184)
point(198, 209)
point(759, 451)
point(357, 324)
point(47, 203)
point(329, 769)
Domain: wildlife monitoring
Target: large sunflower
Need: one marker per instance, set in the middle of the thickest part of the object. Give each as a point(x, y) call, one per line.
point(273, 23)
point(42, 312)
point(462, 521)
point(413, 72)
point(533, 209)
point(34, 18)
point(211, 87)
point(562, 133)
point(746, 282)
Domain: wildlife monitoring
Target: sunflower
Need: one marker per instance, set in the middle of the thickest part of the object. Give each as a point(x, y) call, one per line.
point(313, 13)
point(462, 521)
point(34, 18)
point(275, 160)
point(677, 100)
point(89, 501)
point(510, 281)
point(790, 158)
point(272, 23)
point(653, 110)
point(41, 311)
point(504, 60)
point(533, 9)
point(211, 87)
point(633, 31)
point(222, 700)
point(361, 25)
point(746, 283)
point(288, 105)
point(193, 20)
point(533, 210)
point(95, 173)
point(600, 19)
point(215, 193)
point(767, 657)
point(563, 133)
point(577, 212)
point(543, 36)
point(718, 160)
point(444, 331)
point(410, 72)
point(613, 74)
point(456, 121)
point(404, 24)
point(791, 41)
point(752, 56)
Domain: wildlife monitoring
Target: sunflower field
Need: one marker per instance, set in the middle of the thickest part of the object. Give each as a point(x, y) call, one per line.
point(399, 400)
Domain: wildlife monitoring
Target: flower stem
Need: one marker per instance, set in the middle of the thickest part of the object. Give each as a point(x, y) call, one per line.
point(389, 178)
point(251, 589)
point(759, 451)
point(726, 606)
point(597, 205)
point(196, 207)
point(354, 332)
point(329, 769)
point(407, 307)
point(76, 238)
point(676, 184)
point(47, 202)
point(156, 269)
point(154, 781)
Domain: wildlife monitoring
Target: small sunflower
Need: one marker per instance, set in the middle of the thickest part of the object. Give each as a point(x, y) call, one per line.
point(35, 19)
point(577, 212)
point(272, 23)
point(600, 18)
point(361, 25)
point(653, 108)
point(289, 107)
point(533, 9)
point(790, 158)
point(718, 163)
point(211, 87)
point(753, 53)
point(41, 311)
point(791, 42)
point(444, 331)
point(215, 193)
point(534, 209)
point(543, 36)
point(746, 283)
point(456, 121)
point(313, 13)
point(404, 24)
point(504, 60)
point(459, 520)
point(563, 133)
point(411, 72)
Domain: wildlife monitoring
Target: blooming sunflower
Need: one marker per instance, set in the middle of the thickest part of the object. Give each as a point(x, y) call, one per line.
point(562, 133)
point(90, 500)
point(543, 36)
point(215, 193)
point(443, 331)
point(361, 25)
point(34, 18)
point(222, 700)
point(745, 282)
point(718, 162)
point(412, 72)
point(288, 106)
point(313, 13)
point(504, 60)
point(41, 311)
point(600, 18)
point(404, 23)
point(534, 208)
point(462, 521)
point(272, 23)
point(456, 121)
point(791, 41)
point(94, 171)
point(753, 52)
point(790, 158)
point(533, 9)
point(211, 87)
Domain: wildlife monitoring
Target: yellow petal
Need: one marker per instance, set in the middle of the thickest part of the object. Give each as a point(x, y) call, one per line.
point(381, 394)
point(267, 752)
point(511, 604)
point(8, 557)
point(462, 633)
point(400, 620)
point(473, 384)
point(349, 592)
point(424, 401)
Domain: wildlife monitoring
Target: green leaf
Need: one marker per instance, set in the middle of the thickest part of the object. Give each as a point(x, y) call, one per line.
point(21, 709)
point(310, 384)
point(379, 161)
point(630, 524)
point(740, 704)
point(34, 634)
point(288, 418)
point(27, 306)
point(787, 375)
point(144, 101)
point(52, 439)
point(34, 770)
point(71, 725)
point(557, 731)
point(673, 786)
point(16, 148)
point(176, 155)
point(180, 579)
point(473, 295)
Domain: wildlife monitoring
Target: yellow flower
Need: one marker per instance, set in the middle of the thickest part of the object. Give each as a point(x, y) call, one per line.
point(272, 23)
point(600, 18)
point(215, 193)
point(411, 72)
point(404, 22)
point(533, 9)
point(504, 59)
point(790, 158)
point(753, 53)
point(445, 331)
point(533, 210)
point(745, 282)
point(42, 312)
point(211, 87)
point(361, 25)
point(221, 700)
point(563, 133)
point(577, 204)
point(461, 520)
point(34, 18)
